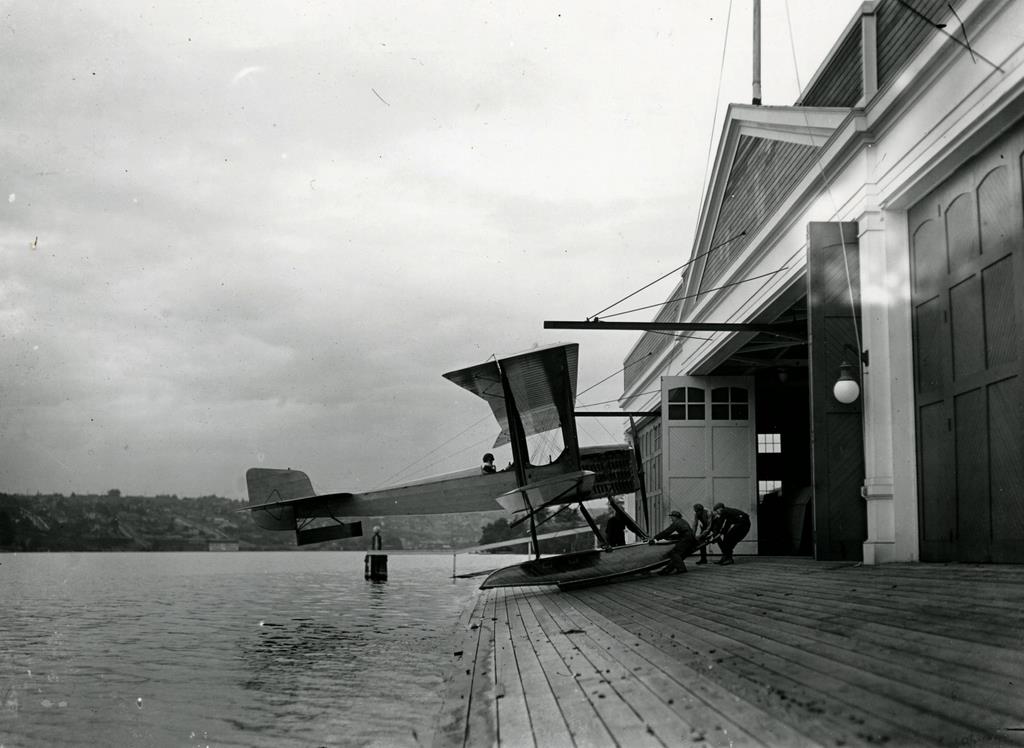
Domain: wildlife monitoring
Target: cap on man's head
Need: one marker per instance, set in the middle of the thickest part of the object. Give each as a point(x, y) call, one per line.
point(698, 507)
point(675, 513)
point(719, 505)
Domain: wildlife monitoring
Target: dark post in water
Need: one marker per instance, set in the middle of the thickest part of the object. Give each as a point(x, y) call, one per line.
point(375, 565)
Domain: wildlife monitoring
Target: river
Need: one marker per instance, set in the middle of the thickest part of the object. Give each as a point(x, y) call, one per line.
point(225, 649)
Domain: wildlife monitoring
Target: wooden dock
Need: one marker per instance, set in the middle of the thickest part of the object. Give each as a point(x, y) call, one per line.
point(773, 652)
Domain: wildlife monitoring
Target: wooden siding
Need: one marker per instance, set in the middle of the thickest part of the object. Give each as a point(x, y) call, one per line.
point(769, 652)
point(841, 83)
point(901, 33)
point(762, 176)
point(651, 343)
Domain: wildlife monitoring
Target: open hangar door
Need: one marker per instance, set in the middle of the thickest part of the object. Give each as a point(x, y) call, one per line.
point(778, 366)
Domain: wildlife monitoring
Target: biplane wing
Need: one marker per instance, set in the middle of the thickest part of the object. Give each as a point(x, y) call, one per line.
point(543, 383)
point(532, 393)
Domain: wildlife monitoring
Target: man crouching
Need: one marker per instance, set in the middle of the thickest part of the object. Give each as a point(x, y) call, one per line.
point(681, 532)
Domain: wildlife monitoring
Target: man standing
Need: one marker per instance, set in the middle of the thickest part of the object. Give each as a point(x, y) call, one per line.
point(730, 526)
point(615, 528)
point(701, 524)
point(681, 532)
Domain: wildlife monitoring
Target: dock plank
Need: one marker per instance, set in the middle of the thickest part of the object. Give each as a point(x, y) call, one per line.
point(974, 683)
point(767, 702)
point(768, 652)
point(683, 690)
point(586, 727)
point(513, 717)
point(934, 718)
point(547, 723)
point(467, 651)
point(588, 668)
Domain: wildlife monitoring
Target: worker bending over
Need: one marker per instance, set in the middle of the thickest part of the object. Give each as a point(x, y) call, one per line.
point(728, 527)
point(681, 532)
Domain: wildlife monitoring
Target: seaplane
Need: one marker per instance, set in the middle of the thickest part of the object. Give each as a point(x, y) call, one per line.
point(529, 394)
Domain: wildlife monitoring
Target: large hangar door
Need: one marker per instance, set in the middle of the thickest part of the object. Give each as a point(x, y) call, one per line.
point(837, 429)
point(709, 450)
point(967, 264)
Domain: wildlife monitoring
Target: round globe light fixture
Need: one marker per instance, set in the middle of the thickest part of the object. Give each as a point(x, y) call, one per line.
point(846, 390)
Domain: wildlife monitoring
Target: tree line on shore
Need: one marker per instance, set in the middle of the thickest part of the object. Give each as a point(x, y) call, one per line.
point(115, 522)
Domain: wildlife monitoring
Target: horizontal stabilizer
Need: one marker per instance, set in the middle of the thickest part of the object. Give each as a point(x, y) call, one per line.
point(329, 532)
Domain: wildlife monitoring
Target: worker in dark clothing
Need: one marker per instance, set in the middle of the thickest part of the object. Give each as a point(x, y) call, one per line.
point(681, 532)
point(615, 527)
point(701, 524)
point(728, 527)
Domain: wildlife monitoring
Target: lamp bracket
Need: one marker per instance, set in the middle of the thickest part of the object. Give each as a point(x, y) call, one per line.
point(862, 356)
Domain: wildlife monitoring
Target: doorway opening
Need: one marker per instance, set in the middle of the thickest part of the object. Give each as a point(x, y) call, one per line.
point(785, 498)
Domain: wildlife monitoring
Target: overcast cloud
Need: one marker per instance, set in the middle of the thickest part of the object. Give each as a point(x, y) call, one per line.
point(244, 233)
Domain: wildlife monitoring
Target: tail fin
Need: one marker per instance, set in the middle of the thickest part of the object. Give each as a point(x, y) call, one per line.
point(277, 496)
point(268, 485)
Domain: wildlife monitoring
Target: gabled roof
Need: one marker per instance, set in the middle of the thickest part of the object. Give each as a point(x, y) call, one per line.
point(763, 153)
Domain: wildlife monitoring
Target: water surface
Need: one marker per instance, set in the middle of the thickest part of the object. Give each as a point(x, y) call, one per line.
point(225, 649)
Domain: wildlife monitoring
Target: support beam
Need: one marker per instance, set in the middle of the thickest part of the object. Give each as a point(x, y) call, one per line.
point(617, 413)
point(779, 328)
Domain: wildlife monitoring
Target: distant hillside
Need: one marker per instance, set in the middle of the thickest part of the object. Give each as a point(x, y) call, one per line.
point(111, 522)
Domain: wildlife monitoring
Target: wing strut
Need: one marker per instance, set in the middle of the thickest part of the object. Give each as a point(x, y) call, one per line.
point(520, 452)
point(640, 474)
point(593, 525)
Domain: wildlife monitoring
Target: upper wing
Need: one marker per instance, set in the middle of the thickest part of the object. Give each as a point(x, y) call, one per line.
point(484, 381)
point(543, 384)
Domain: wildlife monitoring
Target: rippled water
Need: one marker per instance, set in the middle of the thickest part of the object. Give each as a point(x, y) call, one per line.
point(225, 649)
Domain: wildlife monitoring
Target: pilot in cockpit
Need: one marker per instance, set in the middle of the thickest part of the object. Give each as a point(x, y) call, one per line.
point(488, 466)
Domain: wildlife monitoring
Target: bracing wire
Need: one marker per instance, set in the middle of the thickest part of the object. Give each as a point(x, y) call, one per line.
point(711, 137)
point(828, 189)
point(608, 402)
point(603, 428)
point(966, 43)
point(670, 272)
point(432, 452)
point(595, 384)
point(409, 467)
point(714, 112)
point(701, 293)
point(707, 165)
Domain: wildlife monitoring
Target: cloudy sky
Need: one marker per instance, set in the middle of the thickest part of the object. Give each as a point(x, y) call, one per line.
point(240, 233)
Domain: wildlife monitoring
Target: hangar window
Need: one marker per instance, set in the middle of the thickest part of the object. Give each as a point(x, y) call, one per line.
point(729, 404)
point(686, 404)
point(769, 443)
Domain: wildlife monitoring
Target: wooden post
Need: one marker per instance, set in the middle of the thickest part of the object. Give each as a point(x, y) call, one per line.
point(375, 565)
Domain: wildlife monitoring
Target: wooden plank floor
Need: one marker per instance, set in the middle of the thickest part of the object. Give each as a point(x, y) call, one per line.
point(774, 652)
